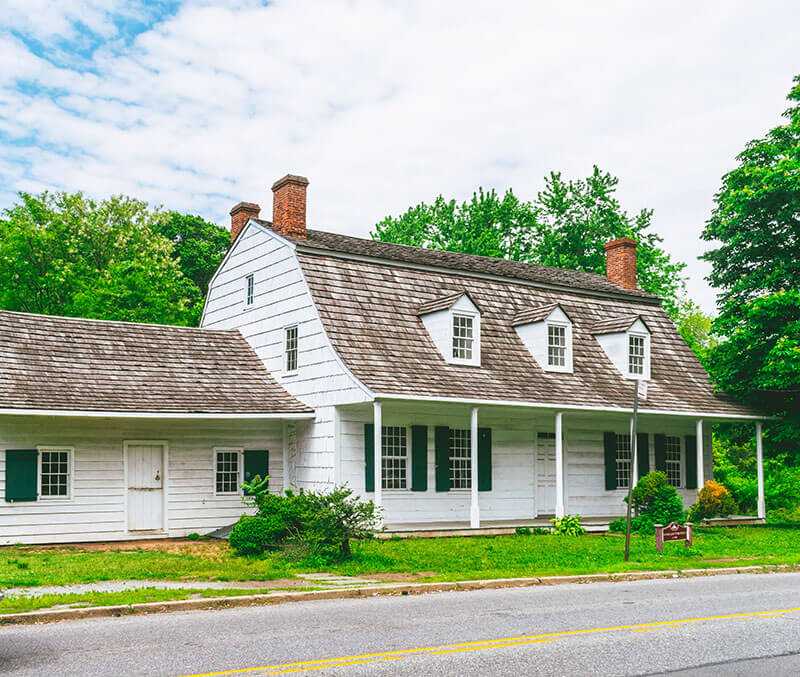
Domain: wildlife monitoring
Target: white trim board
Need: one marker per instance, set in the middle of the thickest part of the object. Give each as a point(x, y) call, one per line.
point(152, 414)
point(566, 407)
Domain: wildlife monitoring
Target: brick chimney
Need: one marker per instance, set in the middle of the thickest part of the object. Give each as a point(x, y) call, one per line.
point(289, 205)
point(240, 214)
point(621, 262)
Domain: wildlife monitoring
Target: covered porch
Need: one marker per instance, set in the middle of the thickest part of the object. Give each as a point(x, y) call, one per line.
point(441, 467)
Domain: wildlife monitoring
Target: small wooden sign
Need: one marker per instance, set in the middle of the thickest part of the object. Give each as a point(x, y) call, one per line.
point(673, 532)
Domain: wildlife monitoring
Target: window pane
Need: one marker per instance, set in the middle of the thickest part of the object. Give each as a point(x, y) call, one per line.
point(623, 461)
point(460, 459)
point(55, 473)
point(462, 337)
point(393, 457)
point(556, 346)
point(672, 448)
point(250, 289)
point(636, 354)
point(227, 476)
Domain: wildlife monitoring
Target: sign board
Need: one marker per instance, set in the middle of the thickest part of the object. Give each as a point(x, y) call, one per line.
point(673, 532)
point(642, 389)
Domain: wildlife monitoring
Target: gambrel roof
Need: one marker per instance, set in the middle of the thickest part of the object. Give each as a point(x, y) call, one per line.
point(368, 295)
point(72, 364)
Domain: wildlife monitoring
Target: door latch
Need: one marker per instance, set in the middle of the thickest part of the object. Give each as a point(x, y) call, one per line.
point(158, 475)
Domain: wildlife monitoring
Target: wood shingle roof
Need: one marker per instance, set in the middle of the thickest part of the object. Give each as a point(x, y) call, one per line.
point(59, 363)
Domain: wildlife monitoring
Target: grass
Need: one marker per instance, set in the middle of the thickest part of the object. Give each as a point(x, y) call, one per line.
point(443, 559)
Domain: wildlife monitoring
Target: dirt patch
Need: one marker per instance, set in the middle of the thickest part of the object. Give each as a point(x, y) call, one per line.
point(401, 576)
point(734, 559)
point(177, 546)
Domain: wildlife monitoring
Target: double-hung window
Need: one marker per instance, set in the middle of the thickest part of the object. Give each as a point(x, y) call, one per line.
point(460, 459)
point(636, 354)
point(54, 473)
point(463, 336)
point(394, 457)
point(623, 461)
point(290, 347)
point(227, 471)
point(556, 345)
point(250, 290)
point(672, 454)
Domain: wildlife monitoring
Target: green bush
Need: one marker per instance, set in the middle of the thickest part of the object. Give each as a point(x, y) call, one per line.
point(253, 535)
point(541, 531)
point(783, 516)
point(653, 501)
point(568, 525)
point(522, 531)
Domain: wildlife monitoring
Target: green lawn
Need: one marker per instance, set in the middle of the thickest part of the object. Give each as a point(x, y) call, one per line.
point(441, 559)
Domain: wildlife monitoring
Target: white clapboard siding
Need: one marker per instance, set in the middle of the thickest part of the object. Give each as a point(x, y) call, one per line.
point(281, 299)
point(96, 510)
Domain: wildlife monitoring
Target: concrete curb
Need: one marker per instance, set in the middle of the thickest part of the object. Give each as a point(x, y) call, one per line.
point(45, 616)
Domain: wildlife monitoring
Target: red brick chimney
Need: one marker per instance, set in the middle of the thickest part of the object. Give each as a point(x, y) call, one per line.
point(621, 262)
point(240, 214)
point(289, 205)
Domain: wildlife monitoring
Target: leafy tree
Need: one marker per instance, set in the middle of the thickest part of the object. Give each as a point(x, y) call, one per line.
point(566, 226)
point(64, 254)
point(695, 328)
point(756, 223)
point(198, 245)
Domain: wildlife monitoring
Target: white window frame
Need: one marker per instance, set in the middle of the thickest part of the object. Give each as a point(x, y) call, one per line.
point(682, 447)
point(239, 451)
point(567, 366)
point(476, 338)
point(407, 458)
point(286, 331)
point(645, 375)
point(249, 290)
point(70, 473)
point(468, 457)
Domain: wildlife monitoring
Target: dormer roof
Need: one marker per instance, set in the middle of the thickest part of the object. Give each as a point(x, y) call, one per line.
point(616, 325)
point(444, 302)
point(537, 314)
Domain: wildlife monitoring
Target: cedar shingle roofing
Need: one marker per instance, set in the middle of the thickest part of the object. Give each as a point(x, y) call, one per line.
point(368, 295)
point(93, 365)
point(442, 303)
point(613, 325)
point(534, 314)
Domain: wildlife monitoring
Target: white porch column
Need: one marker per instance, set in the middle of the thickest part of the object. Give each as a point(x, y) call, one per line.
point(701, 480)
point(474, 507)
point(762, 506)
point(378, 421)
point(559, 467)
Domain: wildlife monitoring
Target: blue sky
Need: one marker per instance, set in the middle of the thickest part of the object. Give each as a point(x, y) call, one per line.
point(197, 105)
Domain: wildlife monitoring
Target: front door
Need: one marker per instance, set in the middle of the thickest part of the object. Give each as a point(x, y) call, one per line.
point(145, 487)
point(545, 473)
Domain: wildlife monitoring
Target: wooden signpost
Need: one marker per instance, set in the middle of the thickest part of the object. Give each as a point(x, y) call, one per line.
point(673, 532)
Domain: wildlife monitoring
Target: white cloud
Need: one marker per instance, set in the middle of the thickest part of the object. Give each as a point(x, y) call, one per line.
point(384, 105)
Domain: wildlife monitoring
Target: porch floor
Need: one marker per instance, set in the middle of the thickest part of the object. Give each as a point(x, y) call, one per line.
point(487, 528)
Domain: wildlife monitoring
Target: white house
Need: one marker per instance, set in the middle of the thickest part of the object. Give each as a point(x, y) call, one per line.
point(453, 390)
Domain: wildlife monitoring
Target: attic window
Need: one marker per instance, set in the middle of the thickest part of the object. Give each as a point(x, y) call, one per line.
point(556, 345)
point(462, 337)
point(250, 290)
point(636, 354)
point(546, 332)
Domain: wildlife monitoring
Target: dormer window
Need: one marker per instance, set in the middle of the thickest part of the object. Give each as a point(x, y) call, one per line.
point(626, 341)
point(454, 325)
point(636, 354)
point(546, 332)
point(462, 337)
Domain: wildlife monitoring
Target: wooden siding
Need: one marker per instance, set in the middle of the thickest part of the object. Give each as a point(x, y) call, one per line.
point(96, 510)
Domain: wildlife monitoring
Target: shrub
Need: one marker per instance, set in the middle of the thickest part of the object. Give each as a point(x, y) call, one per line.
point(783, 516)
point(194, 536)
point(713, 500)
point(653, 501)
point(522, 531)
point(252, 535)
point(568, 525)
point(541, 531)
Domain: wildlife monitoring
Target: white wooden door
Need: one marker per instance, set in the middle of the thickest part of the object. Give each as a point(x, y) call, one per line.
point(145, 487)
point(545, 473)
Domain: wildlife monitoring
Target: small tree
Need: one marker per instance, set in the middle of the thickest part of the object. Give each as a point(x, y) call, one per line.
point(654, 501)
point(713, 500)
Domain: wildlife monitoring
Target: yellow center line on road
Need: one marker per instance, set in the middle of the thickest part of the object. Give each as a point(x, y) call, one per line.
point(344, 661)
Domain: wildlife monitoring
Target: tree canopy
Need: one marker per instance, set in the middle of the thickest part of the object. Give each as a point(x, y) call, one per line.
point(755, 226)
point(565, 226)
point(65, 254)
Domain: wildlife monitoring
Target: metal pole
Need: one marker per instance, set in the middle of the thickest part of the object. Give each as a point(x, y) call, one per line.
point(630, 476)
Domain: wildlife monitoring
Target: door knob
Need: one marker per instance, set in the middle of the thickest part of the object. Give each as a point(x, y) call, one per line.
point(158, 475)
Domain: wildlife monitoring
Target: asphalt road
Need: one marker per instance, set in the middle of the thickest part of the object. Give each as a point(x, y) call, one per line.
point(722, 625)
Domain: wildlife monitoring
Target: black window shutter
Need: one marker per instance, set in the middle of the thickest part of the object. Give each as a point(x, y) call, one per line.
point(643, 453)
point(22, 467)
point(369, 457)
point(255, 463)
point(691, 462)
point(484, 459)
point(419, 458)
point(660, 444)
point(610, 452)
point(442, 448)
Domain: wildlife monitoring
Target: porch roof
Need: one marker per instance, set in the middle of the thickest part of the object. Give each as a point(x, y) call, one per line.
point(60, 364)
